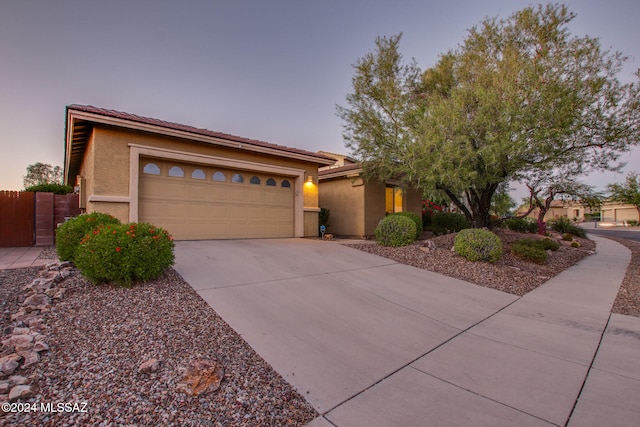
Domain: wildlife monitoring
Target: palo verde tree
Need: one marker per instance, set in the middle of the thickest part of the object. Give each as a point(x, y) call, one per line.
point(517, 99)
point(629, 192)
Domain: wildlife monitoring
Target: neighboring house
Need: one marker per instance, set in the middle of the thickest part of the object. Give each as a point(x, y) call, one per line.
point(559, 209)
point(356, 205)
point(618, 212)
point(196, 183)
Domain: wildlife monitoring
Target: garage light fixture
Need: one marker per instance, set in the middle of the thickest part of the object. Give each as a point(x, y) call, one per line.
point(310, 179)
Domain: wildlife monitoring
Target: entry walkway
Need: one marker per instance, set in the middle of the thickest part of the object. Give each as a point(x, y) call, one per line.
point(371, 342)
point(21, 257)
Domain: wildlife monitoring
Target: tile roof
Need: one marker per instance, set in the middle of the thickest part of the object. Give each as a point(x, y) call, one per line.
point(198, 131)
point(339, 169)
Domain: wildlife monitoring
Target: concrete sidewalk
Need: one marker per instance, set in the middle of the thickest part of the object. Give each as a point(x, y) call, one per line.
point(22, 257)
point(371, 342)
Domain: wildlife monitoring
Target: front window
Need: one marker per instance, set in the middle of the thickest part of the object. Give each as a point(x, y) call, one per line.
point(393, 199)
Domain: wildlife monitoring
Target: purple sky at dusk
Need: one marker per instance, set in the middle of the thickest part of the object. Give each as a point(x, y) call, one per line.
point(270, 70)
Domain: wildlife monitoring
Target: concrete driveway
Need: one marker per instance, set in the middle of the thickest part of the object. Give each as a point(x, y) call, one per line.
point(371, 342)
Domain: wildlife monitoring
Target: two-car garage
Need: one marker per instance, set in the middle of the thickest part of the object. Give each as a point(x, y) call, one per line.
point(203, 202)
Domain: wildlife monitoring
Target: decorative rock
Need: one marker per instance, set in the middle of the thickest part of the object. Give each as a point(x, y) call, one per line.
point(40, 346)
point(20, 392)
point(8, 364)
point(21, 331)
point(428, 246)
point(151, 365)
point(203, 377)
point(23, 341)
point(37, 300)
point(17, 380)
point(4, 387)
point(30, 358)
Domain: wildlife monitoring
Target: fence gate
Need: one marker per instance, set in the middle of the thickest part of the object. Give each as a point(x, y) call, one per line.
point(17, 218)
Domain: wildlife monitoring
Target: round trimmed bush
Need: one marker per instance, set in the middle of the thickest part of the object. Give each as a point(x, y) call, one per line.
point(395, 230)
point(416, 220)
point(476, 244)
point(125, 253)
point(70, 233)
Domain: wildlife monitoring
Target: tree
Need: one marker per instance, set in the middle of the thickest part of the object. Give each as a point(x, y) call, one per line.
point(629, 192)
point(42, 173)
point(545, 190)
point(518, 99)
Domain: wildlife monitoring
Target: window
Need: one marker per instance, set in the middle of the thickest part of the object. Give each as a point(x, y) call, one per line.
point(393, 199)
point(285, 184)
point(151, 169)
point(254, 180)
point(271, 182)
point(197, 174)
point(219, 176)
point(176, 171)
point(237, 178)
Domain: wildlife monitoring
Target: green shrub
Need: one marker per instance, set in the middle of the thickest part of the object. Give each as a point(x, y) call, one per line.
point(50, 188)
point(534, 249)
point(547, 244)
point(575, 244)
point(395, 230)
point(526, 250)
point(70, 233)
point(521, 225)
point(415, 218)
point(567, 237)
point(446, 222)
point(632, 222)
point(478, 245)
point(125, 253)
point(565, 225)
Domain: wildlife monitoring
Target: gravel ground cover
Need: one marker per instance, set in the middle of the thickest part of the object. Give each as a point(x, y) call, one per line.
point(99, 336)
point(628, 299)
point(510, 274)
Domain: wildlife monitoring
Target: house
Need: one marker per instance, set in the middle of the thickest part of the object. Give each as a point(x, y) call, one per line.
point(618, 212)
point(357, 205)
point(196, 183)
point(559, 209)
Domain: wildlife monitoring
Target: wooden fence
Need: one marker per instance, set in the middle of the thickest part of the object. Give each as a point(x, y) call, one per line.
point(17, 218)
point(28, 219)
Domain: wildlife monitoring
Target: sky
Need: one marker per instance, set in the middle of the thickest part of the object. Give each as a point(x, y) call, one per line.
point(272, 70)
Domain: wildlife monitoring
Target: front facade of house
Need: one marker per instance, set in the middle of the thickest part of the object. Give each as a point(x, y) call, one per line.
point(618, 212)
point(560, 209)
point(356, 205)
point(196, 183)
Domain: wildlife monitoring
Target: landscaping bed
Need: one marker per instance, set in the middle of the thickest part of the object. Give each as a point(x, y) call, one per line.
point(509, 274)
point(98, 336)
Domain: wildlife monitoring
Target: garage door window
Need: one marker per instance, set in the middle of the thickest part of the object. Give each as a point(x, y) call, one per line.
point(286, 184)
point(219, 176)
point(151, 169)
point(197, 174)
point(237, 178)
point(271, 182)
point(254, 180)
point(176, 171)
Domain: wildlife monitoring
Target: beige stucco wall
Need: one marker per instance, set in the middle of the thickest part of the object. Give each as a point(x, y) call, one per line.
point(356, 207)
point(375, 204)
point(346, 206)
point(106, 167)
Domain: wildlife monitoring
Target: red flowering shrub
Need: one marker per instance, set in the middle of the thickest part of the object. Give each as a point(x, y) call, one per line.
point(125, 253)
point(69, 234)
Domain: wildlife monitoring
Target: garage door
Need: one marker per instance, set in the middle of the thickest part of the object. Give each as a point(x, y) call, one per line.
point(196, 202)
